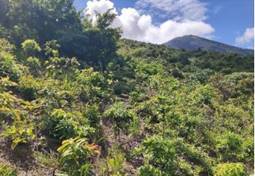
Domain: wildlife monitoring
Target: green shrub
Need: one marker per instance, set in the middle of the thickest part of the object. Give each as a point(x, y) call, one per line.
point(159, 155)
point(234, 85)
point(28, 87)
point(115, 162)
point(230, 169)
point(20, 132)
point(30, 47)
point(34, 65)
point(121, 87)
point(149, 170)
point(120, 116)
point(75, 154)
point(6, 170)
point(6, 83)
point(203, 95)
point(51, 48)
point(6, 46)
point(62, 125)
point(230, 146)
point(90, 78)
point(93, 115)
point(9, 66)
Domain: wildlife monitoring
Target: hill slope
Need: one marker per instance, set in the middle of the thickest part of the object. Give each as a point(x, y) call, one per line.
point(76, 100)
point(191, 43)
point(151, 103)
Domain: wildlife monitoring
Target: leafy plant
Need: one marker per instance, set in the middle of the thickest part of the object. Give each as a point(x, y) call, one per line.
point(34, 65)
point(160, 156)
point(230, 169)
point(30, 47)
point(149, 170)
point(6, 46)
point(6, 170)
point(75, 154)
point(120, 116)
point(20, 132)
point(230, 146)
point(52, 48)
point(9, 67)
point(63, 125)
point(115, 162)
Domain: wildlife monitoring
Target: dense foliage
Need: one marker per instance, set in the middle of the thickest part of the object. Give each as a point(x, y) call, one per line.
point(75, 100)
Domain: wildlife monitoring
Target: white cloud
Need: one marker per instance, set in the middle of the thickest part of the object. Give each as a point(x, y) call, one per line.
point(175, 9)
point(95, 7)
point(140, 27)
point(246, 38)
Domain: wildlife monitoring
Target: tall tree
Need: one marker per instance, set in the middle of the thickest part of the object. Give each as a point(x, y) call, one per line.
point(39, 19)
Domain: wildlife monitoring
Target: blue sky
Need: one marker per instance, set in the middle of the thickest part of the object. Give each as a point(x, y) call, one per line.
point(227, 21)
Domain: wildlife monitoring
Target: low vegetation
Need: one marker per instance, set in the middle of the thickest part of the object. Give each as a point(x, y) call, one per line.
point(78, 101)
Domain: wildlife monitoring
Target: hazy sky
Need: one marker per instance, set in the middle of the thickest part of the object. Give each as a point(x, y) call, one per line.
point(157, 21)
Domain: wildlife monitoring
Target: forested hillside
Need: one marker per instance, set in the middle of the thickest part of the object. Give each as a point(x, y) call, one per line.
point(77, 100)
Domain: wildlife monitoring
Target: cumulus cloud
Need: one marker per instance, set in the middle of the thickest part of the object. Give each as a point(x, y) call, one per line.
point(177, 10)
point(140, 27)
point(246, 38)
point(137, 26)
point(95, 7)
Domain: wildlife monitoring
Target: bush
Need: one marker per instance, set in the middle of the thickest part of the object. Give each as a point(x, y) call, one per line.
point(203, 95)
point(9, 66)
point(6, 46)
point(20, 132)
point(159, 155)
point(51, 48)
point(230, 169)
point(90, 77)
point(235, 85)
point(230, 146)
point(115, 162)
point(149, 170)
point(34, 65)
point(30, 47)
point(62, 125)
point(75, 154)
point(121, 87)
point(6, 170)
point(6, 84)
point(28, 87)
point(120, 116)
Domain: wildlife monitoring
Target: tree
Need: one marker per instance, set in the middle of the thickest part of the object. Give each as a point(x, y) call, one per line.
point(35, 18)
point(102, 40)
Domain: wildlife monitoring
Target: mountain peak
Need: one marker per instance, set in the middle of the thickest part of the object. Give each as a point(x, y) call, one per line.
point(193, 42)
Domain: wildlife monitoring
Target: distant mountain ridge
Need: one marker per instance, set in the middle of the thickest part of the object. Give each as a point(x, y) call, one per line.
point(192, 43)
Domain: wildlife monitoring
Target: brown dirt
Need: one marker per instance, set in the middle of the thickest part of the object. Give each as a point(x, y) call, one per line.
point(22, 160)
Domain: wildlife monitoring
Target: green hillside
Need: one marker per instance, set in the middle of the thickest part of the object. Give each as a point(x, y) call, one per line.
point(76, 100)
